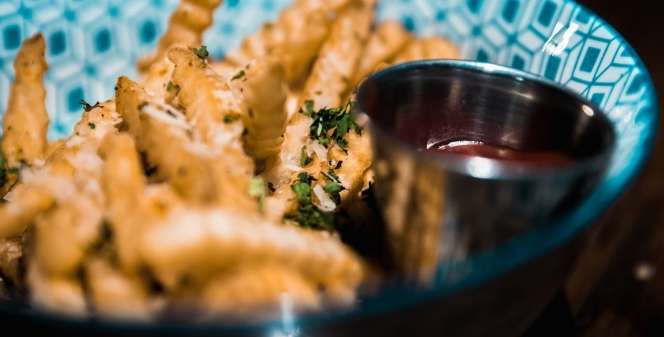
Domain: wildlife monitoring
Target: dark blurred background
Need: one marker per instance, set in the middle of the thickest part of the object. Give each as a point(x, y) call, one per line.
point(618, 286)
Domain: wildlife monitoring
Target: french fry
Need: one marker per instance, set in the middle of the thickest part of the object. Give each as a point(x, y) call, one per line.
point(218, 113)
point(328, 84)
point(295, 38)
point(186, 26)
point(199, 243)
point(61, 294)
point(124, 186)
point(164, 140)
point(115, 294)
point(24, 206)
point(264, 89)
point(11, 252)
point(26, 121)
point(389, 38)
point(433, 47)
point(260, 292)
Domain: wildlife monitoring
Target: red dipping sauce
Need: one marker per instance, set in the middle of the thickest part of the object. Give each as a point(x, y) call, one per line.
point(479, 149)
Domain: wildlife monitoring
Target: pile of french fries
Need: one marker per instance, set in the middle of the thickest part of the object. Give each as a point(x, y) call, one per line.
point(178, 192)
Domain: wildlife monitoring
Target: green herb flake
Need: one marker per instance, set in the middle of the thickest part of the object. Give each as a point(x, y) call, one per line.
point(311, 217)
point(6, 171)
point(330, 126)
point(305, 159)
point(257, 190)
point(331, 176)
point(308, 107)
point(91, 125)
point(87, 107)
point(307, 214)
point(239, 75)
point(201, 52)
point(230, 118)
point(333, 189)
point(170, 87)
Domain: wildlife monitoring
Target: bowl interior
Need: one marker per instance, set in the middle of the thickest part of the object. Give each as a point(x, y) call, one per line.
point(90, 43)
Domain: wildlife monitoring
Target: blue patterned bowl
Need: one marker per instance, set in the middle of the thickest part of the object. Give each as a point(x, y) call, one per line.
point(91, 43)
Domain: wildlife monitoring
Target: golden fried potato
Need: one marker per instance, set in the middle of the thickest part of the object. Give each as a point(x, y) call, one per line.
point(165, 141)
point(433, 47)
point(327, 85)
point(186, 26)
point(26, 121)
point(11, 251)
point(23, 206)
point(123, 184)
point(294, 38)
point(264, 89)
point(115, 294)
point(60, 294)
point(259, 292)
point(389, 38)
point(198, 243)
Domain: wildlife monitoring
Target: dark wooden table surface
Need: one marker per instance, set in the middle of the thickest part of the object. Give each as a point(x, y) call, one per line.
point(618, 286)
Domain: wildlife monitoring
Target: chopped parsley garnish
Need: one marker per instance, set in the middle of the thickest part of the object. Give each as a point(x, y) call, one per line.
point(91, 125)
point(230, 118)
point(170, 87)
point(331, 125)
point(307, 214)
point(239, 75)
point(201, 52)
point(88, 107)
point(333, 187)
point(257, 190)
point(305, 159)
point(309, 107)
point(5, 170)
point(302, 188)
point(331, 176)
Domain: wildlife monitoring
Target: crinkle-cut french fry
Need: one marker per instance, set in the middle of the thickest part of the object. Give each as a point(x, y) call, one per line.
point(64, 233)
point(264, 89)
point(155, 79)
point(11, 251)
point(70, 169)
point(210, 105)
point(61, 294)
point(95, 124)
point(57, 250)
point(165, 140)
point(356, 161)
point(218, 113)
point(123, 184)
point(186, 25)
point(334, 68)
point(196, 171)
point(54, 147)
point(25, 204)
point(433, 47)
point(26, 120)
point(327, 85)
point(389, 38)
point(115, 294)
point(295, 37)
point(198, 243)
point(259, 292)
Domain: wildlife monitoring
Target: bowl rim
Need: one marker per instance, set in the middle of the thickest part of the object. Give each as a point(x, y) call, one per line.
point(588, 213)
point(499, 169)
